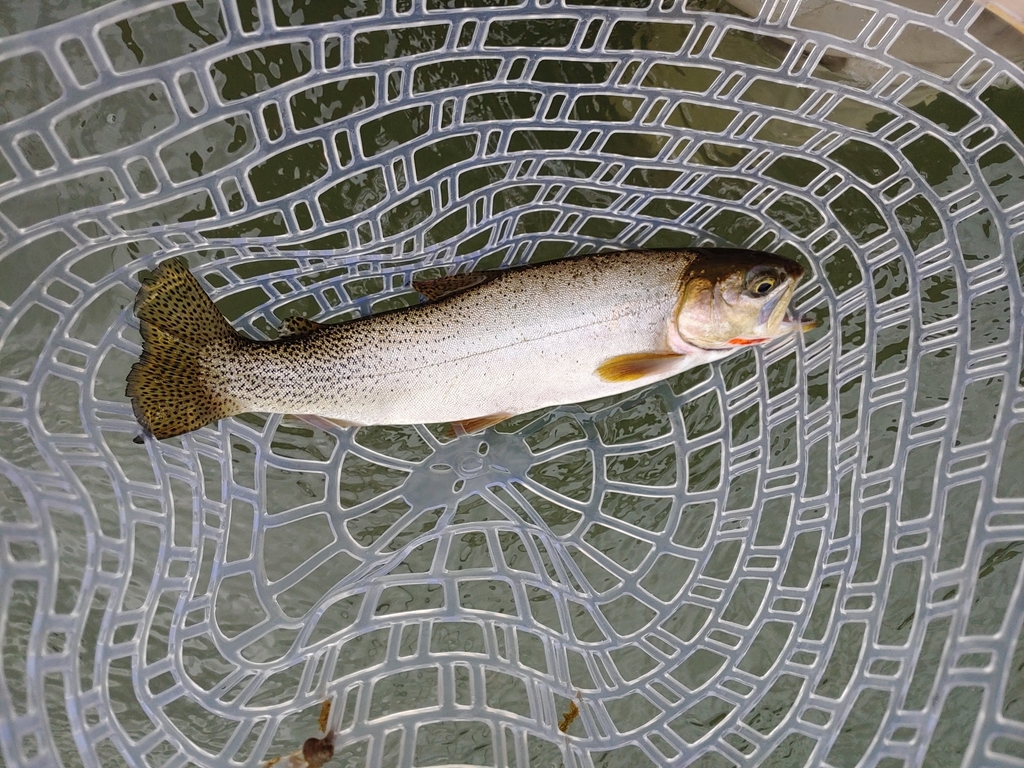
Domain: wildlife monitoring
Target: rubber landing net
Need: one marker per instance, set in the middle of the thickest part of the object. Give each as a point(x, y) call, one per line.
point(810, 554)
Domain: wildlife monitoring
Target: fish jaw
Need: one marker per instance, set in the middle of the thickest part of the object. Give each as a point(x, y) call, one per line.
point(791, 324)
point(775, 306)
point(774, 321)
point(798, 324)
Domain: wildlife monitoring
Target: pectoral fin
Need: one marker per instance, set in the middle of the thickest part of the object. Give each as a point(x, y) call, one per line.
point(637, 366)
point(440, 287)
point(297, 326)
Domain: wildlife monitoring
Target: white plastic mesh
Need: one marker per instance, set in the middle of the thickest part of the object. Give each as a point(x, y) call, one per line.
point(810, 554)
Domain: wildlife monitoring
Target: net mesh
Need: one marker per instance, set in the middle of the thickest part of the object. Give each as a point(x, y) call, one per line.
point(809, 554)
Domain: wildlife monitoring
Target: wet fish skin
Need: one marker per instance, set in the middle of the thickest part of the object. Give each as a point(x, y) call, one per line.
point(551, 334)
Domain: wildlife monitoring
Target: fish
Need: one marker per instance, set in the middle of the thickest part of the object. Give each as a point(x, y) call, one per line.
point(484, 347)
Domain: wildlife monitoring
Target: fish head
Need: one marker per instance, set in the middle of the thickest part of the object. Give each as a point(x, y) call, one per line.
point(734, 297)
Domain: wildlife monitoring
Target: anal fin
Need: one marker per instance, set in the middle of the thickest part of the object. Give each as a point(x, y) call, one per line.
point(440, 287)
point(481, 422)
point(323, 423)
point(636, 366)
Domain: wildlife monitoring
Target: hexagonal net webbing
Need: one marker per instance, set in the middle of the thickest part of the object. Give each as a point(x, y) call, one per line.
point(808, 554)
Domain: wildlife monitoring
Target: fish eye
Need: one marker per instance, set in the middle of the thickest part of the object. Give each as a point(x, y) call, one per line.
point(760, 283)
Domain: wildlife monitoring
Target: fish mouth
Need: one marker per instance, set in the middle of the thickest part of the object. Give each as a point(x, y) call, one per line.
point(791, 324)
point(794, 323)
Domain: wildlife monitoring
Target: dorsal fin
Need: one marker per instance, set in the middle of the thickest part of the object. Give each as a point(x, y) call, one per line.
point(440, 287)
point(297, 326)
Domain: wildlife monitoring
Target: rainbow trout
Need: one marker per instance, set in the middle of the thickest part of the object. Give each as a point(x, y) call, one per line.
point(490, 346)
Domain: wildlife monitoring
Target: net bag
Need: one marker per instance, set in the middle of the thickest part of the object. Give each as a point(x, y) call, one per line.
point(809, 554)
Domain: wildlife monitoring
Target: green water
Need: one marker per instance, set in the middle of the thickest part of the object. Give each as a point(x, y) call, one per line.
point(154, 36)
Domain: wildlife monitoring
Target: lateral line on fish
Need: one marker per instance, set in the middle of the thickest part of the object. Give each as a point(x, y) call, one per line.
point(488, 351)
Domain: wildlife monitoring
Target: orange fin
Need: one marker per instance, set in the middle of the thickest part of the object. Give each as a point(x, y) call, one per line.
point(297, 326)
point(632, 367)
point(440, 287)
point(482, 423)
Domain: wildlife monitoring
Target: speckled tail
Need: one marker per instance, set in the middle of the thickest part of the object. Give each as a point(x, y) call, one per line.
point(172, 387)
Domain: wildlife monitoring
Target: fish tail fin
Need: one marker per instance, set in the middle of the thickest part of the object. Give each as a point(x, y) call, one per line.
point(176, 386)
